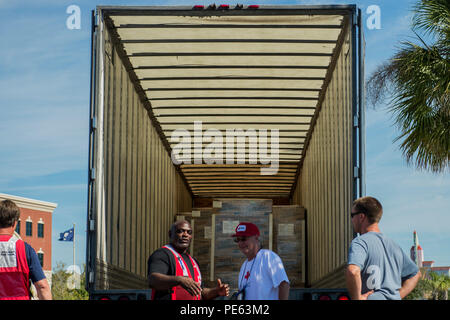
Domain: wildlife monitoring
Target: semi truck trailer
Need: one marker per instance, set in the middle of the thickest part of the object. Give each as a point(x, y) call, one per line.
point(218, 115)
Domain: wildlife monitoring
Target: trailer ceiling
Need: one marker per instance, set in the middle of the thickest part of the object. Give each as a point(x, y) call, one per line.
point(234, 69)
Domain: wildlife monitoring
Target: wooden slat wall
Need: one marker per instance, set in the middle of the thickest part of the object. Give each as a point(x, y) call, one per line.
point(324, 185)
point(142, 188)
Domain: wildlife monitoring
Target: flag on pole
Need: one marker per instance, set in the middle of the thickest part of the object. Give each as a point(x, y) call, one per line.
point(66, 235)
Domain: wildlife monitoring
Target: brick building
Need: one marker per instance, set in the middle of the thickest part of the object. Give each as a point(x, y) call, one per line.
point(35, 227)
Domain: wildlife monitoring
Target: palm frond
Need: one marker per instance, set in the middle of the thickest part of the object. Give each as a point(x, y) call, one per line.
point(432, 16)
point(420, 106)
point(417, 78)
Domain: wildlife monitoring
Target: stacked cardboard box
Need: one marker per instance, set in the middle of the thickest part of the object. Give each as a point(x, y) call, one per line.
point(288, 241)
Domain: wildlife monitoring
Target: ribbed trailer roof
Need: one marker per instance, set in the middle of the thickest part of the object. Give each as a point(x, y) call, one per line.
point(232, 69)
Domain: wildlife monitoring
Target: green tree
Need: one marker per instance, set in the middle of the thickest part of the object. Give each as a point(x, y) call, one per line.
point(417, 79)
point(438, 285)
point(66, 285)
point(431, 286)
point(421, 290)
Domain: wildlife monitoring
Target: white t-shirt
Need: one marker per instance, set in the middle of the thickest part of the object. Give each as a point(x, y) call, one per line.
point(262, 276)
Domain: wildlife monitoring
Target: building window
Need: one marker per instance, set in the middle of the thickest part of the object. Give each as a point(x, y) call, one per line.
point(40, 230)
point(41, 258)
point(18, 227)
point(29, 228)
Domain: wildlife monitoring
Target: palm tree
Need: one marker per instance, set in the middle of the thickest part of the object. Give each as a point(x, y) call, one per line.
point(417, 78)
point(420, 292)
point(438, 284)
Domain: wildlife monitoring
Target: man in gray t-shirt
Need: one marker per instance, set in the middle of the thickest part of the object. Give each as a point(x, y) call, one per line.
point(378, 269)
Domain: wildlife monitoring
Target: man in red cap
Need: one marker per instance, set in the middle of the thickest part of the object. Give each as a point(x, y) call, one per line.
point(262, 275)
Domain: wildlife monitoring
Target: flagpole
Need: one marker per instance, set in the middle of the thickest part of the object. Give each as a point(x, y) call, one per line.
point(73, 268)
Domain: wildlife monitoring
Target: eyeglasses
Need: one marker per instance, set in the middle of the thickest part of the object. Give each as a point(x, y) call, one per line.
point(180, 231)
point(352, 214)
point(240, 239)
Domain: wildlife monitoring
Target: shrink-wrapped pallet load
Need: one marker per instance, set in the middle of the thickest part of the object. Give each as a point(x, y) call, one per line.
point(282, 230)
point(288, 241)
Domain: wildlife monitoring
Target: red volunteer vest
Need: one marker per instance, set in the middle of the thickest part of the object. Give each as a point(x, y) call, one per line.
point(14, 271)
point(178, 292)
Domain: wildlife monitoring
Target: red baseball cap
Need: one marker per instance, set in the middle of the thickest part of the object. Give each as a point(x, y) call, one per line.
point(246, 229)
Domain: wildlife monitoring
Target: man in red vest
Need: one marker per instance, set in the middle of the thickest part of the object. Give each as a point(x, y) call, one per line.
point(19, 262)
point(174, 274)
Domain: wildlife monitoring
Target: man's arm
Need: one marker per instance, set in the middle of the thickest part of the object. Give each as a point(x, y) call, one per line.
point(409, 284)
point(159, 281)
point(160, 278)
point(353, 281)
point(283, 291)
point(43, 289)
point(354, 285)
point(37, 275)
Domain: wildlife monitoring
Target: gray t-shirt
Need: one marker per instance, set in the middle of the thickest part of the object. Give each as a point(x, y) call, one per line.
point(383, 265)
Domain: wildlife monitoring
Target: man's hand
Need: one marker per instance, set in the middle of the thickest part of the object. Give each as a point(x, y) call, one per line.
point(190, 285)
point(366, 295)
point(161, 282)
point(222, 288)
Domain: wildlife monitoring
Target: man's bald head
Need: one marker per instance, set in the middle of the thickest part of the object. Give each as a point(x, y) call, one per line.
point(180, 235)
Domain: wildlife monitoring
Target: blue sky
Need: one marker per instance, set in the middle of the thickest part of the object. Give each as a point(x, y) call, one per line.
point(44, 107)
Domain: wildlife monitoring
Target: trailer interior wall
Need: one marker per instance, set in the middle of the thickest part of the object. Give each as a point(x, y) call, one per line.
point(325, 182)
point(137, 187)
